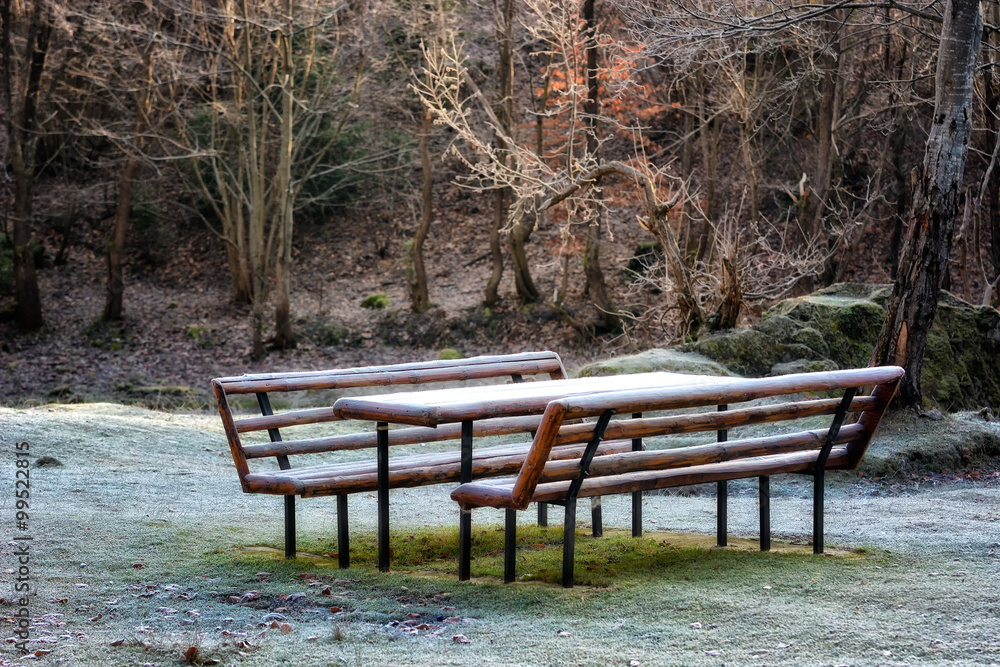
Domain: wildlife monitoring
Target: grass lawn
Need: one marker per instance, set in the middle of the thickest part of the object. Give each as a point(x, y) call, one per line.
point(144, 551)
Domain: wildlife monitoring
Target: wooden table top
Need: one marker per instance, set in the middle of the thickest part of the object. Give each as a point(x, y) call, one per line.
point(443, 406)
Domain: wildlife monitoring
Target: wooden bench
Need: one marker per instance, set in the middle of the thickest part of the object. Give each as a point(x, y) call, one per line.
point(810, 452)
point(341, 479)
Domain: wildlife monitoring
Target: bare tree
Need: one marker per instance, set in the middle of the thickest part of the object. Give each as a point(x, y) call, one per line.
point(265, 92)
point(26, 35)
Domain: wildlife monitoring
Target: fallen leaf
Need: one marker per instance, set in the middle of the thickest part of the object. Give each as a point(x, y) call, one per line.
point(461, 639)
point(564, 633)
point(40, 652)
point(285, 628)
point(335, 610)
point(117, 642)
point(713, 653)
point(191, 654)
point(696, 626)
point(139, 566)
point(96, 618)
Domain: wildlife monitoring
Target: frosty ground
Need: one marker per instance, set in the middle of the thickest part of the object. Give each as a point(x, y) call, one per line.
point(145, 551)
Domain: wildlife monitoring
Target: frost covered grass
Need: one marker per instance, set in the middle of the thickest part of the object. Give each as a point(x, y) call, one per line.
point(146, 552)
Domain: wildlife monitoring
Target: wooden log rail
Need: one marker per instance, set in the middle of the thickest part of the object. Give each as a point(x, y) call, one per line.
point(349, 478)
point(543, 478)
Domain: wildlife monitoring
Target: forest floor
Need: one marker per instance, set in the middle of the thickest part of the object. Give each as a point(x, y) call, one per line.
point(181, 328)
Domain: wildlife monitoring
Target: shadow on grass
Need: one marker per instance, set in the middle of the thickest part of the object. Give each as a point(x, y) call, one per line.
point(614, 559)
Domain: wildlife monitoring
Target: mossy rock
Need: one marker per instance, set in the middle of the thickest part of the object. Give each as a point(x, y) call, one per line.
point(751, 352)
point(653, 360)
point(962, 360)
point(837, 327)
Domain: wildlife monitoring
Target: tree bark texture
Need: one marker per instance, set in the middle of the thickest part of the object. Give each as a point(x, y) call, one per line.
point(284, 337)
point(924, 259)
point(596, 287)
point(113, 252)
point(521, 229)
point(126, 191)
point(991, 95)
point(492, 296)
point(22, 139)
point(420, 299)
point(832, 62)
point(503, 11)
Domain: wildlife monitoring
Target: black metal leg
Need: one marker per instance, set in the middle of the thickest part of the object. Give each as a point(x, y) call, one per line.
point(465, 518)
point(637, 514)
point(289, 526)
point(509, 545)
point(722, 496)
point(543, 514)
point(569, 543)
point(465, 545)
point(764, 484)
point(343, 544)
point(722, 513)
point(637, 495)
point(818, 490)
point(382, 432)
point(596, 517)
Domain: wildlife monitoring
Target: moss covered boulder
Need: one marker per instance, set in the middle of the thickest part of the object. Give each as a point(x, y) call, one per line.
point(656, 360)
point(837, 327)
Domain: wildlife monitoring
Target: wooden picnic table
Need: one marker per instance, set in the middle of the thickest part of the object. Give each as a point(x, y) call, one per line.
point(466, 405)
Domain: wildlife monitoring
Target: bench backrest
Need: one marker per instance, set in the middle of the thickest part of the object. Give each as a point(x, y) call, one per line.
point(556, 428)
point(515, 366)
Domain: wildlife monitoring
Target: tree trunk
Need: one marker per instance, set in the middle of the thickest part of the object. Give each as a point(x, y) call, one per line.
point(708, 139)
point(925, 255)
point(113, 254)
point(596, 287)
point(991, 93)
point(516, 242)
point(21, 138)
point(419, 297)
point(492, 297)
point(126, 192)
point(825, 122)
point(284, 337)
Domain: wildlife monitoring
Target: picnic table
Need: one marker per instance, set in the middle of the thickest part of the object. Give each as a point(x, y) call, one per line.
point(468, 405)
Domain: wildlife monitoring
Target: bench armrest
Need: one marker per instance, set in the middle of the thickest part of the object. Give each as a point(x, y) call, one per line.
point(473, 495)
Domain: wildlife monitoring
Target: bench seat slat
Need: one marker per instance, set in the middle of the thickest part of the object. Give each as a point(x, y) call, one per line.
point(717, 452)
point(497, 493)
point(708, 421)
point(405, 436)
point(286, 419)
point(712, 472)
point(405, 472)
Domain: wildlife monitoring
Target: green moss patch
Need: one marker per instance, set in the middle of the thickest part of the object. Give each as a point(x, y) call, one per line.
point(614, 559)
